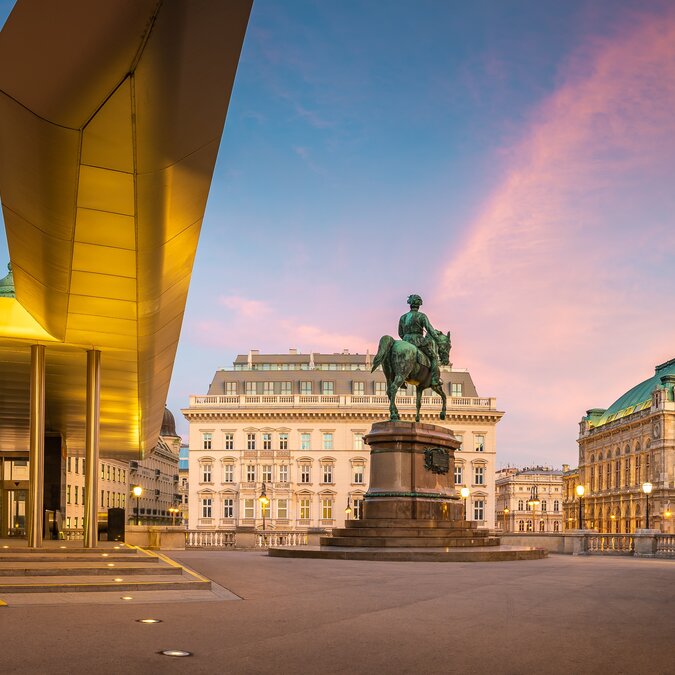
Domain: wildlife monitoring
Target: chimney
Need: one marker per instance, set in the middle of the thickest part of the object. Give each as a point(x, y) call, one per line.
point(292, 350)
point(345, 351)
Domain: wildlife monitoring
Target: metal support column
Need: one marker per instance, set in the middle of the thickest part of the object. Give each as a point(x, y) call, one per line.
point(93, 421)
point(36, 457)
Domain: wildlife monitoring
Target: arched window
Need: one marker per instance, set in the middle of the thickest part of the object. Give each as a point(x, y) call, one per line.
point(521, 526)
point(638, 468)
point(626, 471)
point(556, 526)
point(541, 525)
point(592, 479)
point(556, 506)
point(543, 506)
point(520, 505)
point(617, 471)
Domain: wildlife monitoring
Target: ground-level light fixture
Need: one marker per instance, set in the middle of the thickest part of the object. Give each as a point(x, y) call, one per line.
point(148, 621)
point(174, 652)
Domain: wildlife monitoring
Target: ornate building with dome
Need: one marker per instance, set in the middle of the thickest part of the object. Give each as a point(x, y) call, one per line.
point(622, 448)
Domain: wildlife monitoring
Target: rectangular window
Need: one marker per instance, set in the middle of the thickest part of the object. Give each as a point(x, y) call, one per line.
point(206, 507)
point(327, 473)
point(283, 473)
point(479, 509)
point(76, 489)
point(251, 389)
point(305, 441)
point(306, 388)
point(268, 388)
point(249, 508)
point(617, 473)
point(479, 442)
point(267, 441)
point(328, 441)
point(327, 509)
point(76, 521)
point(479, 475)
point(456, 389)
point(358, 388)
point(460, 438)
point(266, 473)
point(228, 508)
point(358, 474)
point(102, 471)
point(77, 461)
point(285, 389)
point(250, 473)
point(68, 522)
point(229, 441)
point(459, 477)
point(305, 473)
point(69, 471)
point(250, 441)
point(358, 441)
point(230, 389)
point(107, 498)
point(68, 495)
point(124, 475)
point(206, 473)
point(83, 494)
point(283, 441)
point(206, 441)
point(358, 509)
point(327, 388)
point(102, 495)
point(626, 471)
point(282, 508)
point(305, 511)
point(228, 473)
point(380, 388)
point(638, 470)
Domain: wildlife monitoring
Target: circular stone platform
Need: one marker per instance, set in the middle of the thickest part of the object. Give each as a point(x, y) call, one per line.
point(448, 554)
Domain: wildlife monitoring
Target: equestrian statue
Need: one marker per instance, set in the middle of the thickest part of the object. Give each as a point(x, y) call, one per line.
point(415, 358)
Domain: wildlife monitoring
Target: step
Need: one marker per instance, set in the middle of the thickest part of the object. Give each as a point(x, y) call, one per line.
point(84, 569)
point(411, 522)
point(408, 532)
point(68, 584)
point(405, 542)
point(68, 557)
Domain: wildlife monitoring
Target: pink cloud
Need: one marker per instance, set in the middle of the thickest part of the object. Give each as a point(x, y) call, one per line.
point(556, 288)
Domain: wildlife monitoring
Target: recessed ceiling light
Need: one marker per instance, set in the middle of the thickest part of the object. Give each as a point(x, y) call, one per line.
point(175, 652)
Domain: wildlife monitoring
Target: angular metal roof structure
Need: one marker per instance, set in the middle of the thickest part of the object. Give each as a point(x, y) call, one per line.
point(111, 114)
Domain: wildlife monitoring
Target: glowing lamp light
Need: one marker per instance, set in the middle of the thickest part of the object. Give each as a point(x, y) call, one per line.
point(464, 492)
point(137, 490)
point(580, 490)
point(647, 488)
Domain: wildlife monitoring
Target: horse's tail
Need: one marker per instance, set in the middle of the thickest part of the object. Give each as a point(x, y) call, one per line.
point(386, 341)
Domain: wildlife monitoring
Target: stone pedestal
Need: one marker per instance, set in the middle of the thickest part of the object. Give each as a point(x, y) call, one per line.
point(412, 472)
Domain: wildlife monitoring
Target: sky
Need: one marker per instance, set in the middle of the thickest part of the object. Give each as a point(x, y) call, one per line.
point(512, 161)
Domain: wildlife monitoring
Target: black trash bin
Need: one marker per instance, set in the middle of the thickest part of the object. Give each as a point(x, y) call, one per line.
point(116, 524)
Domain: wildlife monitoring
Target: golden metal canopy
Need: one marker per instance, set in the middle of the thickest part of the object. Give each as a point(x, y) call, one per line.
point(111, 114)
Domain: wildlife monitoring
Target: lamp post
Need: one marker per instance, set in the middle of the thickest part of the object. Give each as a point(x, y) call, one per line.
point(580, 493)
point(533, 501)
point(264, 501)
point(348, 510)
point(137, 491)
point(647, 489)
point(506, 515)
point(465, 494)
point(173, 511)
point(667, 514)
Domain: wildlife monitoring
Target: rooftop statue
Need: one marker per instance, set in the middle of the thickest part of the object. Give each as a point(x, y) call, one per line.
point(415, 358)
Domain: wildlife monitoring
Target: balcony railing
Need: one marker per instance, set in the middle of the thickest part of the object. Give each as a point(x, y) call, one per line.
point(303, 401)
point(279, 538)
point(618, 544)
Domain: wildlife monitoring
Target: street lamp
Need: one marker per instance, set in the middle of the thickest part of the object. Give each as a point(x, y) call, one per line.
point(137, 491)
point(465, 493)
point(647, 489)
point(580, 493)
point(173, 511)
point(348, 510)
point(264, 501)
point(667, 514)
point(506, 515)
point(533, 501)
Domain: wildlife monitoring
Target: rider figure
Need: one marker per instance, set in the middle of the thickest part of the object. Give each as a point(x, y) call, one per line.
point(411, 327)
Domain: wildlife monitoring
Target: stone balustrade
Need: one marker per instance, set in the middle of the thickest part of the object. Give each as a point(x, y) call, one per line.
point(212, 539)
point(304, 401)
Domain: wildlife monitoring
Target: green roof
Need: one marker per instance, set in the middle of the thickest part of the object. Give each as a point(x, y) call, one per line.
point(637, 398)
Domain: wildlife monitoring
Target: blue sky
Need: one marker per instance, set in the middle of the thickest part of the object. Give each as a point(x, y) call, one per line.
point(509, 161)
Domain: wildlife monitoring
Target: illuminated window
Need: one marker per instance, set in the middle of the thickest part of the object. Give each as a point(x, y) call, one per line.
point(327, 508)
point(305, 510)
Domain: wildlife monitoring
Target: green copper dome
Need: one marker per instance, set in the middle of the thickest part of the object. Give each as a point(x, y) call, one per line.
point(639, 397)
point(7, 284)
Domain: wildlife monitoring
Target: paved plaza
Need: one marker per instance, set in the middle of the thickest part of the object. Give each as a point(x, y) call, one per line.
point(559, 615)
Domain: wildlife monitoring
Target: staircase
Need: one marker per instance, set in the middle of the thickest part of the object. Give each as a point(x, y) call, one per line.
point(69, 568)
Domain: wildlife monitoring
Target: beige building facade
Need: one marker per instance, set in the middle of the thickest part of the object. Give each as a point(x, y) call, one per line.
point(628, 445)
point(295, 424)
point(517, 511)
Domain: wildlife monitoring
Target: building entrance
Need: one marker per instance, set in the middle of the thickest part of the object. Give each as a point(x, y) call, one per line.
point(13, 496)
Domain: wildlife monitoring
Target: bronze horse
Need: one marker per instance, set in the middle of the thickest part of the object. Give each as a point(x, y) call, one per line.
point(401, 364)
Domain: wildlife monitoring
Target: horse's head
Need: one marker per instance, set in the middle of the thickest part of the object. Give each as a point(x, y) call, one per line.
point(444, 344)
